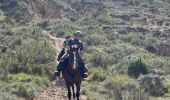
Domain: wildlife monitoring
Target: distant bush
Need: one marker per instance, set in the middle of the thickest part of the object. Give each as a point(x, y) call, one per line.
point(157, 72)
point(3, 69)
point(94, 39)
point(151, 41)
point(98, 74)
point(153, 84)
point(101, 60)
point(122, 91)
point(137, 68)
point(135, 94)
point(95, 36)
point(43, 24)
point(62, 28)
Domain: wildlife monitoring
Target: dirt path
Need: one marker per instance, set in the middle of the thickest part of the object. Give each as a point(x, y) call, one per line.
point(57, 43)
point(57, 90)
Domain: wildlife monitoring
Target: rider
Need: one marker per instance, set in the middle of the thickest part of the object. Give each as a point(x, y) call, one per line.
point(64, 58)
point(63, 49)
point(62, 52)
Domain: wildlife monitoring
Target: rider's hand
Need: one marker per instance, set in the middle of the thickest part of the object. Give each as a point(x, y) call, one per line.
point(74, 46)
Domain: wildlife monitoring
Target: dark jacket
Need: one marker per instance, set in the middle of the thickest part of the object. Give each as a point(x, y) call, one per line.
point(62, 52)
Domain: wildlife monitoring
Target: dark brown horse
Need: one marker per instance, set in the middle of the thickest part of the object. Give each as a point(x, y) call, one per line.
point(71, 74)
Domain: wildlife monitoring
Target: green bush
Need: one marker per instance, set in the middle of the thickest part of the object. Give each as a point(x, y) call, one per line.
point(122, 91)
point(33, 56)
point(8, 96)
point(137, 68)
point(98, 74)
point(62, 28)
point(153, 84)
point(43, 24)
point(23, 85)
point(101, 60)
point(21, 90)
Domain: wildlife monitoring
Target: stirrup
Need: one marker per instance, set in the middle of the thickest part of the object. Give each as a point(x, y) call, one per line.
point(57, 73)
point(85, 75)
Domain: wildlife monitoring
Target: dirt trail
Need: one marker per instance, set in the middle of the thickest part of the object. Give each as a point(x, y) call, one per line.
point(57, 90)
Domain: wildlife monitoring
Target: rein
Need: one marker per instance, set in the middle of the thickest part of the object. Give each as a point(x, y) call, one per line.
point(74, 61)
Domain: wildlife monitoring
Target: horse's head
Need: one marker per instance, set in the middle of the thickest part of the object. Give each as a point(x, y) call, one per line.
point(73, 58)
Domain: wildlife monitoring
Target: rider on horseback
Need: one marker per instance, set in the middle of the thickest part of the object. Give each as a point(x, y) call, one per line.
point(63, 49)
point(64, 59)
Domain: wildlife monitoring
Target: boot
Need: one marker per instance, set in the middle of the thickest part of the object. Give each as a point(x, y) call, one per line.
point(84, 70)
point(59, 67)
point(85, 75)
point(57, 73)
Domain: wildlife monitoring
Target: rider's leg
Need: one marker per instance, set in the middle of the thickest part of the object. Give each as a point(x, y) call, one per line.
point(61, 66)
point(59, 69)
point(84, 69)
point(61, 54)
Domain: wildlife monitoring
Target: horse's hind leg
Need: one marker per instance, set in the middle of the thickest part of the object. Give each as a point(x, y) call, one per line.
point(78, 91)
point(69, 91)
point(74, 95)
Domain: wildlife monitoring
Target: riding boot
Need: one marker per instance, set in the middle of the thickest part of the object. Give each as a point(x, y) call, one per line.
point(84, 69)
point(61, 66)
point(59, 69)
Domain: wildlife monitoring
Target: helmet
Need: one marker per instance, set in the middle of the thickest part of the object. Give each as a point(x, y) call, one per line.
point(78, 33)
point(67, 37)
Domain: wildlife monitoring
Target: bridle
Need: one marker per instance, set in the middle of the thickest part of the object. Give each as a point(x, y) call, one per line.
point(75, 59)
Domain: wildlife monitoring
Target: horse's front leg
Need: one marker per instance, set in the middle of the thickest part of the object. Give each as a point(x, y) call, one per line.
point(74, 95)
point(69, 91)
point(78, 91)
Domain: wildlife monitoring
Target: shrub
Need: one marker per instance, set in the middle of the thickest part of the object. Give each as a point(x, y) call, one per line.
point(3, 69)
point(34, 56)
point(98, 74)
point(153, 84)
point(62, 28)
point(95, 39)
point(122, 91)
point(135, 94)
point(137, 68)
point(102, 60)
point(157, 72)
point(43, 24)
point(8, 96)
point(24, 91)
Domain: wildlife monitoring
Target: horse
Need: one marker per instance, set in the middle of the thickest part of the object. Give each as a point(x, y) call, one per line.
point(71, 74)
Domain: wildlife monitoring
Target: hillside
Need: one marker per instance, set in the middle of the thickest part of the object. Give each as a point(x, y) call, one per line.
point(123, 32)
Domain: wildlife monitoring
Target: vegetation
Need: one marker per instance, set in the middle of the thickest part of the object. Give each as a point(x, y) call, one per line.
point(154, 83)
point(137, 68)
point(121, 37)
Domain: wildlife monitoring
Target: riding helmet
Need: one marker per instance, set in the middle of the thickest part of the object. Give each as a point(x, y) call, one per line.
point(78, 33)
